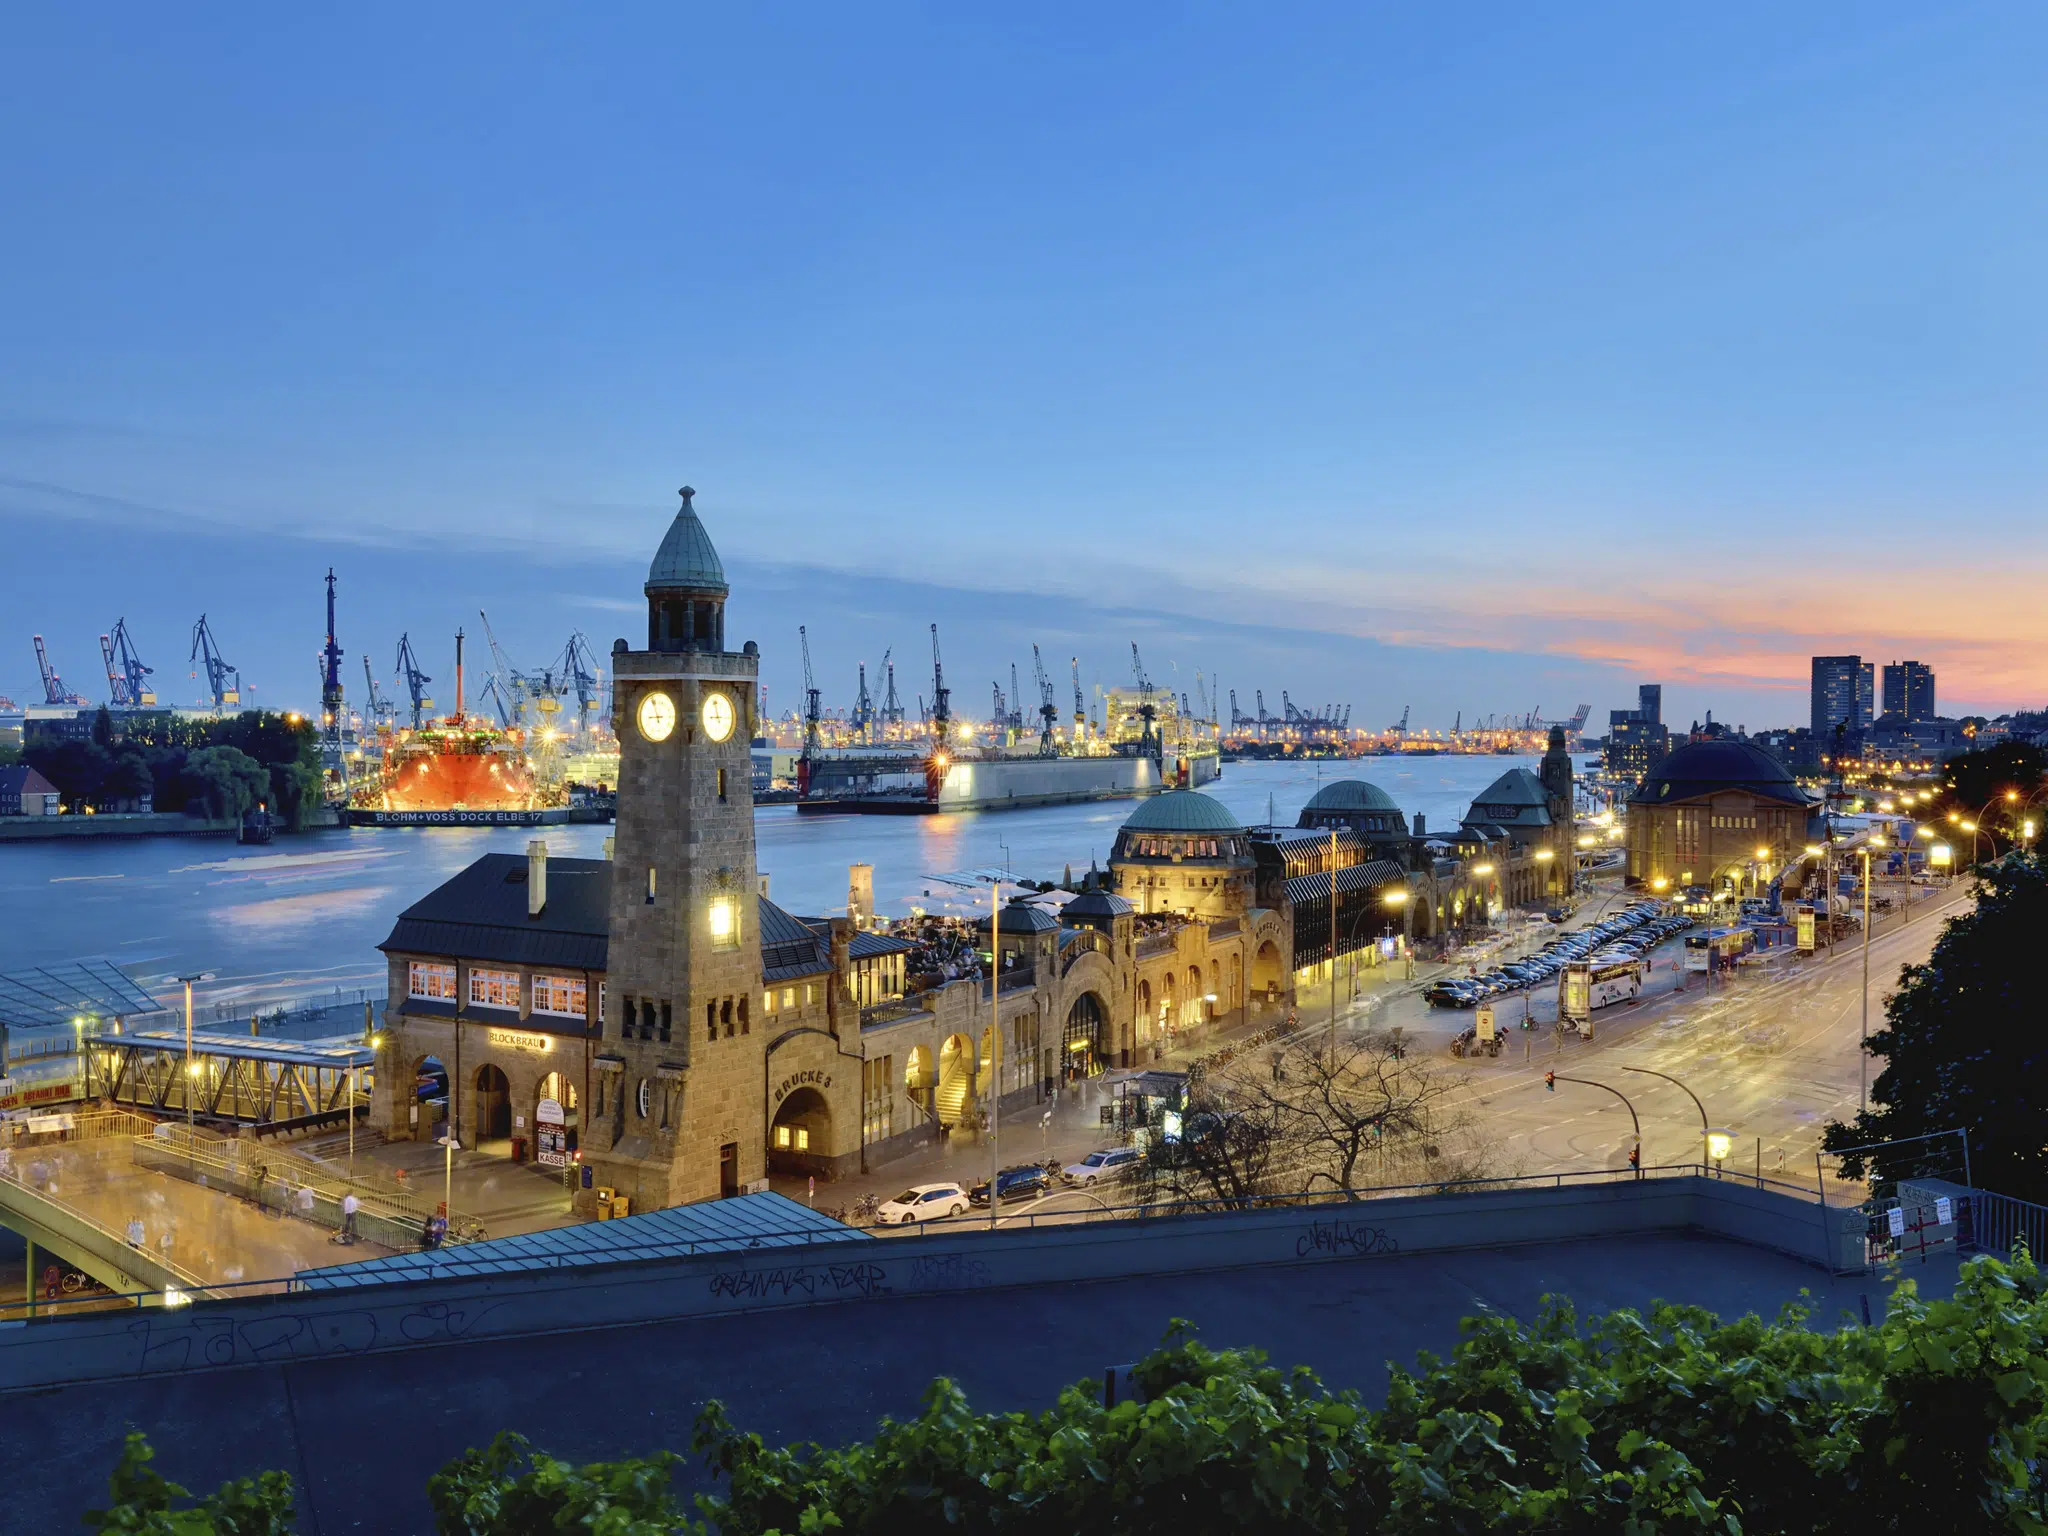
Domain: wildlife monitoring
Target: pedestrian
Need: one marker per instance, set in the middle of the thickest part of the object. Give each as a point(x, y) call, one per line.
point(431, 1234)
point(163, 1246)
point(306, 1202)
point(348, 1217)
point(135, 1232)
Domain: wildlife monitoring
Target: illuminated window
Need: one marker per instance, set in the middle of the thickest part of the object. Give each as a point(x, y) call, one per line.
point(564, 996)
point(434, 982)
point(494, 989)
point(725, 923)
point(792, 1138)
point(768, 1001)
point(789, 997)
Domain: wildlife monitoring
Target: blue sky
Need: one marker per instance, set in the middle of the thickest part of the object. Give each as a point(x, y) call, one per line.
point(1473, 359)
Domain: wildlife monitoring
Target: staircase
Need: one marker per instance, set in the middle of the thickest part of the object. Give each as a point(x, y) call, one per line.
point(954, 1099)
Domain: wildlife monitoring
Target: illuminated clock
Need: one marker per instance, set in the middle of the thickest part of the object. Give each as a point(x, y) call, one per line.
point(717, 716)
point(657, 716)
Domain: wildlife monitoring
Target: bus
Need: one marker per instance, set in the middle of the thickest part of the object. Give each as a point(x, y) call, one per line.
point(1586, 985)
point(1718, 948)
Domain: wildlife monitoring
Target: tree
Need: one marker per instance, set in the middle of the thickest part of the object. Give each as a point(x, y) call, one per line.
point(226, 782)
point(102, 727)
point(1371, 1113)
point(1963, 1045)
point(77, 769)
point(1226, 1155)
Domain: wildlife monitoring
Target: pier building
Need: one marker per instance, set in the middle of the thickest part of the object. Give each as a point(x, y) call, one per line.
point(1712, 810)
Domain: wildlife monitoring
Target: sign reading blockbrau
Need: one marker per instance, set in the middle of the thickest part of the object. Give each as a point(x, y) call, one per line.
point(550, 1135)
point(810, 1077)
point(521, 1040)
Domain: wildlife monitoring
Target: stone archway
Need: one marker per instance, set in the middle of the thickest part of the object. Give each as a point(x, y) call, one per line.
point(428, 1091)
point(800, 1136)
point(920, 1081)
point(491, 1112)
point(1082, 1042)
point(954, 1098)
point(1269, 972)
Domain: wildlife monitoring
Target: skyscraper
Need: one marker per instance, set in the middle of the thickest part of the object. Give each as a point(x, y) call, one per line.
point(1844, 689)
point(1636, 738)
point(1909, 691)
point(1650, 703)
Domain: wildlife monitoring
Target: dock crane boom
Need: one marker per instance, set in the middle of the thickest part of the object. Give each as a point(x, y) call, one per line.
point(942, 696)
point(1147, 710)
point(54, 691)
point(222, 681)
point(513, 685)
point(381, 708)
point(125, 671)
point(812, 696)
point(408, 668)
point(892, 703)
point(1048, 711)
point(863, 718)
point(1080, 701)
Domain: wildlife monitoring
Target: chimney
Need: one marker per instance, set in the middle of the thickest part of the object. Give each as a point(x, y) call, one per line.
point(1421, 823)
point(536, 877)
point(762, 876)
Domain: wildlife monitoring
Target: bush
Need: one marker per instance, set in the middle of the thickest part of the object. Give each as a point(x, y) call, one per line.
point(1932, 1420)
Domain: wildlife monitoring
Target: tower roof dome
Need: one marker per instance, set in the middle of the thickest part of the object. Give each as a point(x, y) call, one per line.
point(1351, 795)
point(686, 562)
point(1181, 810)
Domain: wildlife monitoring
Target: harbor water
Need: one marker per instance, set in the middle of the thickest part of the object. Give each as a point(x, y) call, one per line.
point(298, 921)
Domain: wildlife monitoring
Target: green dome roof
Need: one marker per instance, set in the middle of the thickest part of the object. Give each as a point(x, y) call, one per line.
point(1351, 795)
point(1181, 810)
point(686, 562)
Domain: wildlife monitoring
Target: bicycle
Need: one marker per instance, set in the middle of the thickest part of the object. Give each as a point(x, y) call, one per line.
point(469, 1230)
point(867, 1211)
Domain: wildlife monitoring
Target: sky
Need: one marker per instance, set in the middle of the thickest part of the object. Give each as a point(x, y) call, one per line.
point(1469, 358)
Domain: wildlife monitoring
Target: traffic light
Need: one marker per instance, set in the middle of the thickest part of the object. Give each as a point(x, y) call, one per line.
point(1635, 1157)
point(1550, 1081)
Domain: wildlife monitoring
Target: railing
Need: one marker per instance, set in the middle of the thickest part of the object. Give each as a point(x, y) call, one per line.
point(86, 1125)
point(106, 1248)
point(1995, 1223)
point(1157, 944)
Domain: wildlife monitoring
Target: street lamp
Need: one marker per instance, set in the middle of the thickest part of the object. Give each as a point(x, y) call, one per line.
point(189, 1074)
point(1707, 1133)
point(449, 1142)
point(1863, 1052)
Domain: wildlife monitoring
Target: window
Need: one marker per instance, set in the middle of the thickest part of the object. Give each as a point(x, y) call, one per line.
point(788, 998)
point(435, 982)
point(793, 1137)
point(876, 1100)
point(725, 923)
point(721, 783)
point(564, 996)
point(600, 1007)
point(768, 1001)
point(494, 989)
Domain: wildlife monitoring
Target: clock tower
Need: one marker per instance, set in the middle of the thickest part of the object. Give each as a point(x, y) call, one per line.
point(677, 1109)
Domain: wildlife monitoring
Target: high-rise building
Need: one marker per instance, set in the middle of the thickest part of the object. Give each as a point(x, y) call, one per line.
point(1844, 689)
point(1909, 691)
point(1636, 738)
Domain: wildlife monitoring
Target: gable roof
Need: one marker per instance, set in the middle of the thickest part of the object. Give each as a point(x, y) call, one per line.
point(1516, 799)
point(24, 780)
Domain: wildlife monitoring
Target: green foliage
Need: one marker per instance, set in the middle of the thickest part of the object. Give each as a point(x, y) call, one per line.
point(142, 1502)
point(226, 781)
point(1630, 1423)
point(155, 755)
point(1963, 1045)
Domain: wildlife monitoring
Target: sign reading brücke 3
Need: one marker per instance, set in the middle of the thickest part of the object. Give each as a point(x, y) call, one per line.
point(809, 1078)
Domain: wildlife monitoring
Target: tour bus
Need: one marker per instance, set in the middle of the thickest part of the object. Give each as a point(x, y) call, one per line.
point(1586, 985)
point(1718, 948)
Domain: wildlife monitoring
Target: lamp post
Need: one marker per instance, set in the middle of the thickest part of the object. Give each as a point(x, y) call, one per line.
point(449, 1144)
point(189, 1119)
point(1863, 1048)
point(1636, 1158)
point(1706, 1130)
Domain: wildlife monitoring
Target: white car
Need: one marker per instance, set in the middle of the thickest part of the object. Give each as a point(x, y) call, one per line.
point(925, 1202)
point(1111, 1163)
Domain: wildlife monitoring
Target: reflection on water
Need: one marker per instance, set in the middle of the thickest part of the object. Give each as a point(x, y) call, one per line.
point(275, 924)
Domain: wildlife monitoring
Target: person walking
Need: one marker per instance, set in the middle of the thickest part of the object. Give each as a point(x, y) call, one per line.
point(135, 1233)
point(349, 1206)
point(306, 1202)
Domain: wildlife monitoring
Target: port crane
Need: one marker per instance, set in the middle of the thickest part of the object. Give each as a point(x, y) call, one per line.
point(1080, 701)
point(54, 691)
point(1048, 711)
point(126, 675)
point(381, 710)
point(333, 704)
point(942, 696)
point(222, 681)
point(812, 698)
point(863, 717)
point(1401, 727)
point(496, 697)
point(580, 674)
point(999, 714)
point(892, 703)
point(1147, 710)
point(408, 668)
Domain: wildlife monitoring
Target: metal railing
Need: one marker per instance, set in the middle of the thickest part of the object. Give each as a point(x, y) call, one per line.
point(1995, 1224)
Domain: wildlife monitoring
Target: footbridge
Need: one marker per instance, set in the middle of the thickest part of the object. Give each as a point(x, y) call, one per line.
point(231, 1080)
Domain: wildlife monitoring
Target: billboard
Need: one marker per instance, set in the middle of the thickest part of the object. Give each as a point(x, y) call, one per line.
point(1803, 922)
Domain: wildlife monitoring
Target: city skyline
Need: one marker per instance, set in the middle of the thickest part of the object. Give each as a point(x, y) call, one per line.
point(1387, 361)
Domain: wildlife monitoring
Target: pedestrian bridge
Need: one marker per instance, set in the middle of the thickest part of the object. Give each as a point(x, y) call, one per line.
point(231, 1080)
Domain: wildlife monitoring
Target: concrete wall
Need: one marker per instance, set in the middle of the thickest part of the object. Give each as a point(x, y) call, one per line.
point(326, 1324)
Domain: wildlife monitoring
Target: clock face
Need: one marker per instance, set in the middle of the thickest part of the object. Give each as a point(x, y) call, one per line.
point(717, 716)
point(657, 716)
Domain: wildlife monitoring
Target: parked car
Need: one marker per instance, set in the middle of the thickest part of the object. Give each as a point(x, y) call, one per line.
point(925, 1202)
point(1109, 1163)
point(1026, 1182)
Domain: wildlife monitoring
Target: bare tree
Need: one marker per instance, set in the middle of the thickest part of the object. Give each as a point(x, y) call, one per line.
point(1225, 1154)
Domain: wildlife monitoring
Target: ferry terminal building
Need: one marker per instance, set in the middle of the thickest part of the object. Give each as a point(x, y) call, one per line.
point(656, 1018)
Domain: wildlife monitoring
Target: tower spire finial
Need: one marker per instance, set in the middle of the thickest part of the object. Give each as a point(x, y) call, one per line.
point(686, 493)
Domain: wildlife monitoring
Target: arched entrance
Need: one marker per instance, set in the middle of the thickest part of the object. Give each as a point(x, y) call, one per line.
point(955, 1097)
point(1081, 1040)
point(800, 1136)
point(1268, 974)
point(920, 1083)
point(557, 1121)
point(493, 1104)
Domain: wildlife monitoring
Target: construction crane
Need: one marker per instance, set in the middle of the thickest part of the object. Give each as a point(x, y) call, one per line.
point(125, 671)
point(408, 668)
point(1401, 728)
point(496, 695)
point(999, 716)
point(381, 710)
point(1147, 710)
point(54, 691)
point(812, 696)
point(892, 704)
point(942, 697)
point(222, 681)
point(1456, 721)
point(1015, 720)
point(1048, 711)
point(1080, 702)
point(333, 704)
point(512, 684)
point(863, 718)
point(579, 673)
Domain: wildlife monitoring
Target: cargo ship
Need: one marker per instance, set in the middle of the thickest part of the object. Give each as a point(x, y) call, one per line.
point(1146, 746)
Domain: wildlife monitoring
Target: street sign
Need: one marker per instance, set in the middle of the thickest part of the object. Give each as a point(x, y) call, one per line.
point(1483, 1022)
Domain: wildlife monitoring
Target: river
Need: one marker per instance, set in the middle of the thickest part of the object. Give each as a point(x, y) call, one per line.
point(299, 920)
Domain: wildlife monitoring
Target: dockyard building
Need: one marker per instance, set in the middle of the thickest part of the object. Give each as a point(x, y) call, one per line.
point(1712, 813)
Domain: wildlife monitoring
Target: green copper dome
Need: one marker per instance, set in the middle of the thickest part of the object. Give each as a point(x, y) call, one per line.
point(1351, 795)
point(686, 562)
point(1181, 810)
